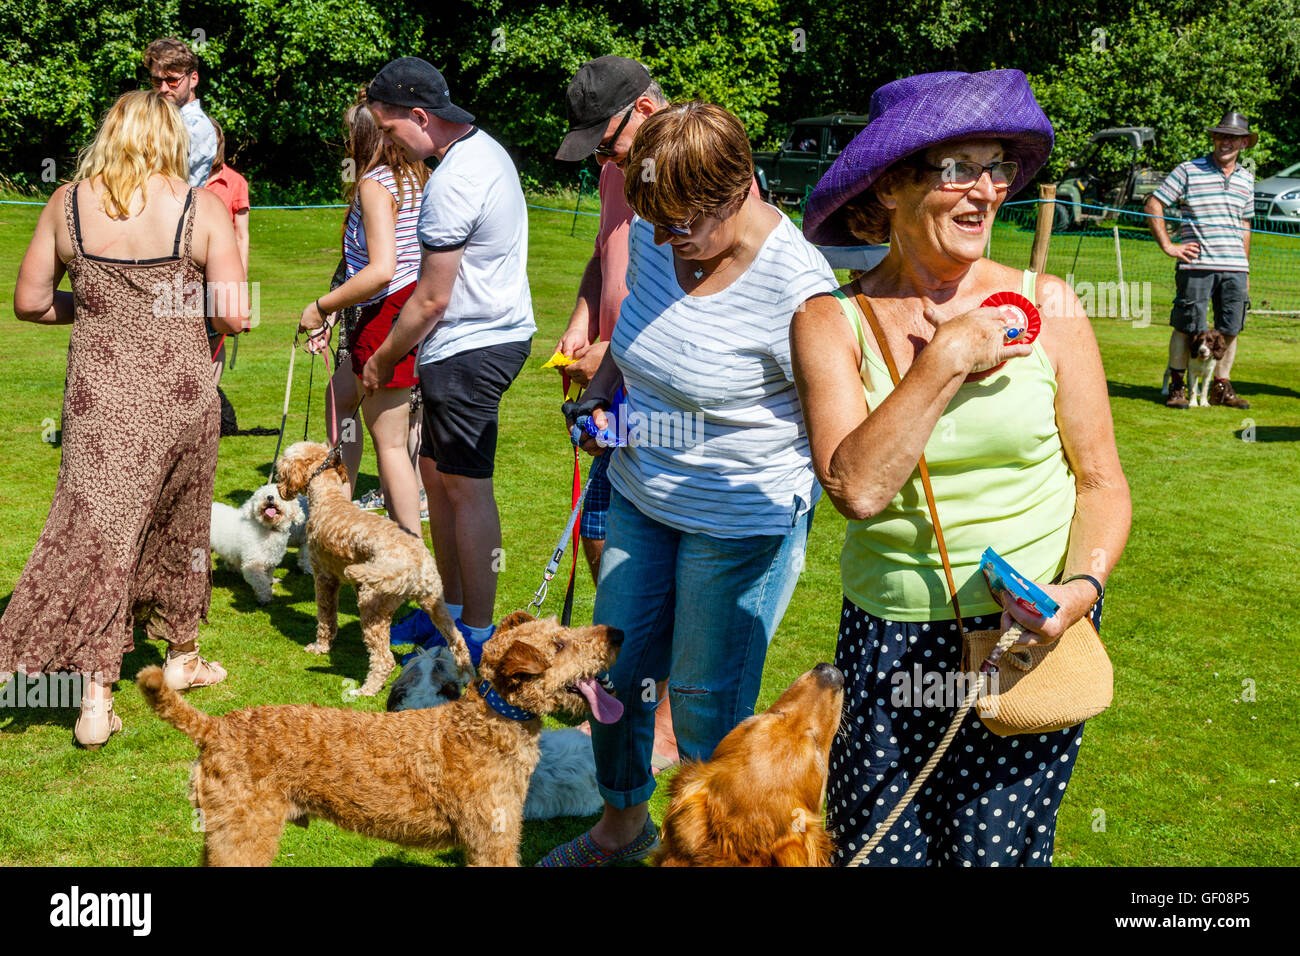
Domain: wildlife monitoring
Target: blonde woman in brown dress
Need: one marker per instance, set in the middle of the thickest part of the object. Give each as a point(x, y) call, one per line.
point(126, 541)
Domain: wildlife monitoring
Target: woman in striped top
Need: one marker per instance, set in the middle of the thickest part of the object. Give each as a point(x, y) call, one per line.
point(382, 255)
point(713, 492)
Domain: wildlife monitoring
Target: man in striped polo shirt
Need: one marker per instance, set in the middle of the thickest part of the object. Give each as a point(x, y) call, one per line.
point(1217, 197)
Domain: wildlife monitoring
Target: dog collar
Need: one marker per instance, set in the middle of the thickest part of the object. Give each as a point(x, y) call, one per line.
point(330, 458)
point(498, 703)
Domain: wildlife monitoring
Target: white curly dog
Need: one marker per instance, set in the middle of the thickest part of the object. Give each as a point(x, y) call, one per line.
point(254, 537)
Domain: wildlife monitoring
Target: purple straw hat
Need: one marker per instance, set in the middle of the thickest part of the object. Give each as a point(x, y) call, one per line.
point(910, 114)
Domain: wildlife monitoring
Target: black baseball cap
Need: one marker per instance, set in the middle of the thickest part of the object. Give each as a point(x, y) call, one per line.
point(410, 81)
point(600, 89)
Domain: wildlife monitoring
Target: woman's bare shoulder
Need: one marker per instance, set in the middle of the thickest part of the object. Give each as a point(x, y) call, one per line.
point(820, 326)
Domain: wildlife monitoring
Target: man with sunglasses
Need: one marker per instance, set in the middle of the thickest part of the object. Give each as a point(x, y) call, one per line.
point(608, 99)
point(174, 72)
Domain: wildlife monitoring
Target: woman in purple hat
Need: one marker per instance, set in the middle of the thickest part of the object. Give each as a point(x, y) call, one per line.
point(1021, 453)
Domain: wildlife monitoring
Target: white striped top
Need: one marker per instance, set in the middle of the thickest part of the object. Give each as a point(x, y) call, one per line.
point(716, 441)
point(408, 243)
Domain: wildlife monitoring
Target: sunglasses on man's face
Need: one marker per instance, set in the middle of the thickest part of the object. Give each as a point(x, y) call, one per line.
point(606, 147)
point(963, 174)
point(171, 81)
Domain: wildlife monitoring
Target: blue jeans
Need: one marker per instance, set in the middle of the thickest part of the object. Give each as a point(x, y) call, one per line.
point(697, 610)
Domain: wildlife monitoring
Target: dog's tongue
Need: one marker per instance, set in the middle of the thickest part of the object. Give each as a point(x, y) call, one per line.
point(271, 511)
point(604, 707)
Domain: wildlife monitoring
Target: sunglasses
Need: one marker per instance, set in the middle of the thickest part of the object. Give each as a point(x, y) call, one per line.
point(606, 147)
point(963, 174)
point(171, 81)
point(685, 228)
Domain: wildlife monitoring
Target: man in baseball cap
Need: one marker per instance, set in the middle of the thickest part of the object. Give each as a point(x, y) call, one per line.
point(471, 316)
point(412, 82)
point(603, 88)
point(608, 99)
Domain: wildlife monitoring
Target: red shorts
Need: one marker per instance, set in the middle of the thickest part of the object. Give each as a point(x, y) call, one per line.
point(373, 325)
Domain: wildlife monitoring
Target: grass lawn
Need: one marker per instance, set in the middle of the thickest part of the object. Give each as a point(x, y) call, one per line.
point(1195, 764)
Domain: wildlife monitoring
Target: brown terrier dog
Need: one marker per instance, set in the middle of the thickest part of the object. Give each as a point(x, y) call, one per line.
point(757, 802)
point(456, 775)
point(387, 563)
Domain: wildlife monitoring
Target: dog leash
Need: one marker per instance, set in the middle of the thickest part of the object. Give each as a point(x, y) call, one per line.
point(570, 534)
point(284, 414)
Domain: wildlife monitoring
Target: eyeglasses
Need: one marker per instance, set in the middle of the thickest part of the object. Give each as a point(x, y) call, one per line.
point(606, 147)
point(963, 174)
point(685, 228)
point(171, 81)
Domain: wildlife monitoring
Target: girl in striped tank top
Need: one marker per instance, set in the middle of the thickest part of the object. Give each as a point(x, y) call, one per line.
point(382, 257)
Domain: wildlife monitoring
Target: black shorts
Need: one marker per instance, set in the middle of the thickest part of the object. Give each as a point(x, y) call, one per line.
point(462, 395)
point(1194, 289)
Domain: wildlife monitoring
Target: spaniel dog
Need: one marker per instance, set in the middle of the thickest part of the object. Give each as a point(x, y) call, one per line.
point(1207, 349)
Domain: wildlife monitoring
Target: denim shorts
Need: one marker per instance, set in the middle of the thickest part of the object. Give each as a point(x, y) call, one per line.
point(1195, 289)
point(697, 610)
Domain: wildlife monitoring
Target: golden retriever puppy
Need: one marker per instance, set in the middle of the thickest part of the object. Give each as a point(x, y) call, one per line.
point(757, 802)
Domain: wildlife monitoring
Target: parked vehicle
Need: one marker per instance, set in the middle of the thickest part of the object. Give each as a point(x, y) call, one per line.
point(1115, 172)
point(789, 174)
point(1277, 201)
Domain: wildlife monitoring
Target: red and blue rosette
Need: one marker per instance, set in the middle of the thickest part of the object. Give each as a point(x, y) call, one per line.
point(1024, 329)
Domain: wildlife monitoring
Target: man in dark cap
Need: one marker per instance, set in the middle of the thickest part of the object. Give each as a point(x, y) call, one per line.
point(608, 99)
point(471, 317)
point(1217, 195)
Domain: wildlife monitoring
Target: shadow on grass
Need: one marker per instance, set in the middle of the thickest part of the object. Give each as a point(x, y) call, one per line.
point(1263, 388)
point(1269, 433)
point(1139, 393)
point(347, 658)
point(18, 720)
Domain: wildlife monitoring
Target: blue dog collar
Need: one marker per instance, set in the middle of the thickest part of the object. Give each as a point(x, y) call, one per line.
point(498, 703)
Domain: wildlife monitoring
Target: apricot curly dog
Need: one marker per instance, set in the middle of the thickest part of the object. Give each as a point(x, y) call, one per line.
point(386, 563)
point(456, 775)
point(757, 801)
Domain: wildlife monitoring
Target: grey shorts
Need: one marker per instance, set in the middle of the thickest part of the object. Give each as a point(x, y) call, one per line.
point(1194, 289)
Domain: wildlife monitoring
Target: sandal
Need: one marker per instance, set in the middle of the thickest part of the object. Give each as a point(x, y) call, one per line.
point(175, 666)
point(582, 851)
point(96, 724)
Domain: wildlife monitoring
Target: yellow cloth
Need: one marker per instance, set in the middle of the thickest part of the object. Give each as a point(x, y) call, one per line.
point(559, 360)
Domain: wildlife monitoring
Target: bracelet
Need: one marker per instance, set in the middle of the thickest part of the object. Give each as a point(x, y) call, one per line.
point(1101, 591)
point(320, 311)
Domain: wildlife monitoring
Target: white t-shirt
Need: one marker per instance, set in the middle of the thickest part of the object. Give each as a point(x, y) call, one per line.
point(473, 201)
point(716, 436)
point(203, 141)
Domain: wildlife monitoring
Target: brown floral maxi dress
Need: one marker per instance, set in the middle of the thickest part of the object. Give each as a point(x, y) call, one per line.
point(126, 540)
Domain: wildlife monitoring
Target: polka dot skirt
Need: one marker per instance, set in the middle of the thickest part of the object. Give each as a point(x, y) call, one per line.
point(992, 800)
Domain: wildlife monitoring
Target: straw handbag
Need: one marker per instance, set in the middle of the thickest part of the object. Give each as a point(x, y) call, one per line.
point(1024, 689)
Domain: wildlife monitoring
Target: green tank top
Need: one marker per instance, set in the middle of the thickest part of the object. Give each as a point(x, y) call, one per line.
point(1000, 480)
